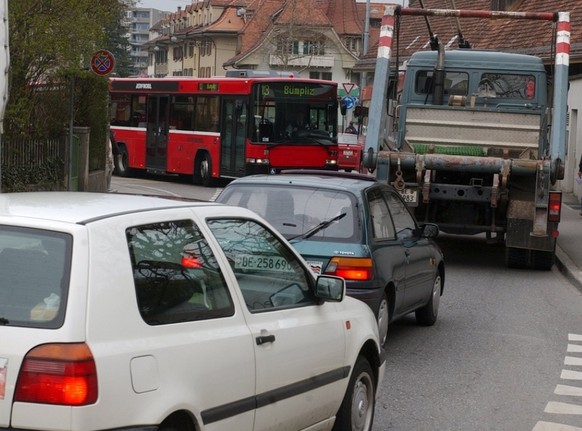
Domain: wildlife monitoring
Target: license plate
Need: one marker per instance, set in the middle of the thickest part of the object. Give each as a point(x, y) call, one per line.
point(262, 263)
point(410, 196)
point(348, 153)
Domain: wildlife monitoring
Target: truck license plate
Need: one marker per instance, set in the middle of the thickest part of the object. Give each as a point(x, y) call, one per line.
point(410, 196)
point(348, 153)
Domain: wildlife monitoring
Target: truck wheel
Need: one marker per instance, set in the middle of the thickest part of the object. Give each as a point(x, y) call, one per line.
point(121, 162)
point(542, 260)
point(427, 315)
point(203, 170)
point(357, 410)
point(516, 257)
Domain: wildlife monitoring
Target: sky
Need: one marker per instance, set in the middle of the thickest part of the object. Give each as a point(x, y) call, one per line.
point(172, 5)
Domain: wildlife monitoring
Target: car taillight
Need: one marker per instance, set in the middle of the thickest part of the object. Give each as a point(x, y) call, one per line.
point(63, 374)
point(555, 207)
point(351, 268)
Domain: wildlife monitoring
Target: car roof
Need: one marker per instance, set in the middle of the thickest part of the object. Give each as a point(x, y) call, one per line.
point(82, 207)
point(312, 178)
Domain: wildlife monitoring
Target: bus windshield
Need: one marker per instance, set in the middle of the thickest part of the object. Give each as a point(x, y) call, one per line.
point(287, 112)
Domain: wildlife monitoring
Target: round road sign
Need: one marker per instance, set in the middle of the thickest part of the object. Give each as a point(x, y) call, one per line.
point(102, 62)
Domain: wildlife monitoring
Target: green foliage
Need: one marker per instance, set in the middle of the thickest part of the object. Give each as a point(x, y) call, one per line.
point(47, 176)
point(51, 44)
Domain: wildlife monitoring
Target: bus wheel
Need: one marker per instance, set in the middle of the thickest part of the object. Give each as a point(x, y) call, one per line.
point(203, 170)
point(121, 162)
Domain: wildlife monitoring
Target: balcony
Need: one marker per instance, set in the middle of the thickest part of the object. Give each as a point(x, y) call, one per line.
point(303, 61)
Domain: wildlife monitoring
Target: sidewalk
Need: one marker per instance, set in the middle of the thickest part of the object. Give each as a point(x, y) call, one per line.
point(569, 249)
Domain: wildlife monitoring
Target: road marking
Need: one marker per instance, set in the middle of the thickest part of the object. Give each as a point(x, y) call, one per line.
point(550, 426)
point(215, 195)
point(573, 391)
point(571, 360)
point(574, 337)
point(563, 408)
point(574, 348)
point(571, 375)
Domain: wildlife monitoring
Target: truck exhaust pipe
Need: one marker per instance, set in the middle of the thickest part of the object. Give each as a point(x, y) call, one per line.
point(439, 78)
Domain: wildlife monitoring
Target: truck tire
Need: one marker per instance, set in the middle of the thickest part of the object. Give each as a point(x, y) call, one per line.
point(542, 260)
point(516, 257)
point(357, 410)
point(427, 315)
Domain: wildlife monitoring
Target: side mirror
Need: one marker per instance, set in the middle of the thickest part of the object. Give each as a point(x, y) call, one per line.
point(330, 288)
point(429, 230)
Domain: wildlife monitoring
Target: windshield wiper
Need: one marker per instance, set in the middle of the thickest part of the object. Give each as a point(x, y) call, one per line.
point(4, 321)
point(317, 228)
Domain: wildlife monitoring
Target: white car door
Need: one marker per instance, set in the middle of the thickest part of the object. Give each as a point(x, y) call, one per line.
point(184, 342)
point(301, 372)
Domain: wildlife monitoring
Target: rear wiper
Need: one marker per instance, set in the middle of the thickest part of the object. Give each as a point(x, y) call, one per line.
point(4, 321)
point(317, 228)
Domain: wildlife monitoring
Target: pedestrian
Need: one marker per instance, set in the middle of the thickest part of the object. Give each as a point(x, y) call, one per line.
point(351, 128)
point(579, 181)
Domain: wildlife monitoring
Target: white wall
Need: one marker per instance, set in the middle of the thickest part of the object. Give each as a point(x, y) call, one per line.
point(574, 147)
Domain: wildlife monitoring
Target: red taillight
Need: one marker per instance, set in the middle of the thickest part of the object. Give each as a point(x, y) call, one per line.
point(63, 374)
point(554, 207)
point(351, 268)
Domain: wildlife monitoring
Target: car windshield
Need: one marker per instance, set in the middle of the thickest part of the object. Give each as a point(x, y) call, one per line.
point(295, 210)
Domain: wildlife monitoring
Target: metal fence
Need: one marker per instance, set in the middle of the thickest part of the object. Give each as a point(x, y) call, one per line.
point(28, 163)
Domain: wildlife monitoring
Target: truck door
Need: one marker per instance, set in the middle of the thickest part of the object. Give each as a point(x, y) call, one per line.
point(158, 110)
point(234, 129)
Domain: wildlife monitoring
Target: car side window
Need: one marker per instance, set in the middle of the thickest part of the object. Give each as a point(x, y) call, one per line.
point(403, 220)
point(269, 275)
point(382, 225)
point(176, 275)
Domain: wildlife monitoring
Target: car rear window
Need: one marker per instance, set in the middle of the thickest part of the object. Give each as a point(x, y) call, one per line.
point(34, 273)
point(294, 210)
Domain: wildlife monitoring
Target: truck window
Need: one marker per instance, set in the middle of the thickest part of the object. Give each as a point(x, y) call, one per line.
point(508, 86)
point(456, 83)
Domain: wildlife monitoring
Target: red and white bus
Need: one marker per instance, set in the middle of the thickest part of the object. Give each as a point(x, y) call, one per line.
point(222, 127)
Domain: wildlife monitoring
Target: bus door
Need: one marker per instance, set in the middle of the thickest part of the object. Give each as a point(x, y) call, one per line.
point(158, 111)
point(235, 119)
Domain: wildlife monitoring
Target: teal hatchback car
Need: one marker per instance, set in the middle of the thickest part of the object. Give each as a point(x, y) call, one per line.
point(353, 226)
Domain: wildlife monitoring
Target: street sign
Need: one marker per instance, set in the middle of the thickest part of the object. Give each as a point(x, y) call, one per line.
point(348, 89)
point(349, 102)
point(348, 86)
point(102, 62)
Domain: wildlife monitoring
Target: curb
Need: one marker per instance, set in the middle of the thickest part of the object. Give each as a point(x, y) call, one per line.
point(568, 268)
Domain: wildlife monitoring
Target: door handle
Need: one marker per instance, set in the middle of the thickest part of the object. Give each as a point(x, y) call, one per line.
point(262, 339)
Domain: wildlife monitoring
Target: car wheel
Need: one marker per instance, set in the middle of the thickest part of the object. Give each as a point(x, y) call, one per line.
point(383, 317)
point(357, 410)
point(427, 315)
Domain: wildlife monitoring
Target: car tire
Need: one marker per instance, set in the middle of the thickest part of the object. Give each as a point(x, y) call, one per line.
point(357, 410)
point(383, 319)
point(427, 315)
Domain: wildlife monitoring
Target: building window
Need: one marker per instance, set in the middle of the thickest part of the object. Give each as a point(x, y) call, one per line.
point(321, 75)
point(313, 48)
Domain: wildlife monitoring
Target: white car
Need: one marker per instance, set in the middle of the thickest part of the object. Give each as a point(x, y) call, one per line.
point(144, 313)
